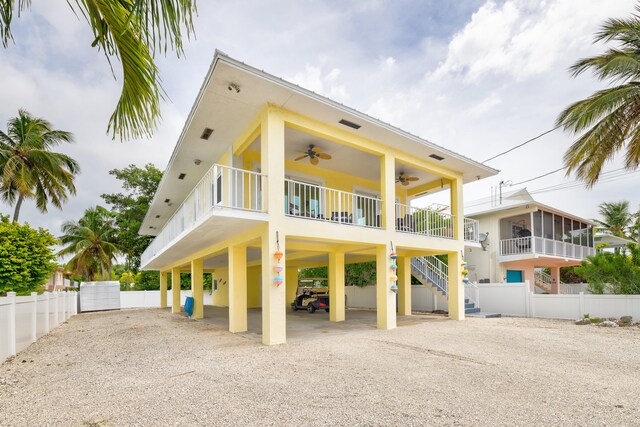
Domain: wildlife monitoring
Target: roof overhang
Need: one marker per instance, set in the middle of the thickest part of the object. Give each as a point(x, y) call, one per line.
point(228, 111)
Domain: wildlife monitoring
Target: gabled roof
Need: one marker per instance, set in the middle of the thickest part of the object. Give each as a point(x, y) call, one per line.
point(228, 112)
point(511, 200)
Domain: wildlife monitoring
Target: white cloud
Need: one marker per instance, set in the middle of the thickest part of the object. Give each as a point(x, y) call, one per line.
point(328, 85)
point(521, 38)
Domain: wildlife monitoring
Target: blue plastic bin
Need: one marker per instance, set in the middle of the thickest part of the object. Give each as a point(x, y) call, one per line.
point(188, 306)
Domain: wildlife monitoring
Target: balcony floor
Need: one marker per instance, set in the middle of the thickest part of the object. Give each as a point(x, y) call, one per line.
point(221, 225)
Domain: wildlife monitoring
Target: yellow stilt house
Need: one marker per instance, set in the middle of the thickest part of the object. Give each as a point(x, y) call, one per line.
point(264, 166)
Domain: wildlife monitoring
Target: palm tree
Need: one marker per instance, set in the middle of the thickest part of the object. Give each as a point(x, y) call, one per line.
point(609, 118)
point(130, 31)
point(616, 218)
point(92, 242)
point(30, 170)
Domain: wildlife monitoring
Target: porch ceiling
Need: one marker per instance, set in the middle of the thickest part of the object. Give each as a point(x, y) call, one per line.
point(344, 159)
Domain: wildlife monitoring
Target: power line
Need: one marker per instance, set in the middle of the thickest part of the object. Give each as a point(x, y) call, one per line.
point(521, 145)
point(611, 176)
point(538, 177)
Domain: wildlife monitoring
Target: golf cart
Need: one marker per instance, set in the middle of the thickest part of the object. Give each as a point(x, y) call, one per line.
point(311, 298)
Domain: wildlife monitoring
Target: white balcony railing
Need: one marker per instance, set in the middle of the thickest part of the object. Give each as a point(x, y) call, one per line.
point(426, 222)
point(326, 204)
point(471, 230)
point(540, 245)
point(221, 187)
point(433, 223)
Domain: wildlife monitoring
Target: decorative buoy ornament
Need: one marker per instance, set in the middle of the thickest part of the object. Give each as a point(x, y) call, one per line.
point(278, 280)
point(278, 255)
point(278, 268)
point(394, 288)
point(393, 255)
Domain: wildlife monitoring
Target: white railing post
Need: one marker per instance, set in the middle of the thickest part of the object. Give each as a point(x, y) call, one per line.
point(55, 309)
point(34, 316)
point(12, 323)
point(47, 312)
point(64, 307)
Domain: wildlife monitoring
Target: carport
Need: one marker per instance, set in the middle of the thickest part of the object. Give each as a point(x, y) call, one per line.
point(302, 325)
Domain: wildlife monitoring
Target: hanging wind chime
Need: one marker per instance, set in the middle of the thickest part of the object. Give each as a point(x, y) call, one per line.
point(394, 268)
point(278, 267)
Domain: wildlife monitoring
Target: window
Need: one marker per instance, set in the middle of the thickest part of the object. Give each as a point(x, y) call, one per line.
point(304, 199)
point(547, 225)
point(216, 189)
point(567, 230)
point(537, 223)
point(557, 227)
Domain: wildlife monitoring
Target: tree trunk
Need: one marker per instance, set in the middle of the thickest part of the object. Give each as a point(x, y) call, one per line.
point(16, 213)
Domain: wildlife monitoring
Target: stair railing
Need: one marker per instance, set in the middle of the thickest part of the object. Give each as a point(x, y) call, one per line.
point(434, 271)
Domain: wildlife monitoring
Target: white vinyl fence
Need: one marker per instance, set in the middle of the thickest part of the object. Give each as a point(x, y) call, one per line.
point(151, 299)
point(422, 299)
point(513, 299)
point(25, 319)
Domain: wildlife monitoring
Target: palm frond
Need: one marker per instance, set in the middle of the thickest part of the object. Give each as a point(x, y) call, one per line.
point(132, 31)
point(6, 17)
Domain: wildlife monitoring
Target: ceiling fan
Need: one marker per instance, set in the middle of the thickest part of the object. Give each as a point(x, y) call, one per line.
point(314, 154)
point(406, 179)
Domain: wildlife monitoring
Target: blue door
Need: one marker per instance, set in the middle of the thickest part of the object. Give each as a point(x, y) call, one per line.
point(514, 276)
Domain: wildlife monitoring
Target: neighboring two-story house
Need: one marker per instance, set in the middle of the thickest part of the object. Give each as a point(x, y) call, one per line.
point(268, 177)
point(521, 238)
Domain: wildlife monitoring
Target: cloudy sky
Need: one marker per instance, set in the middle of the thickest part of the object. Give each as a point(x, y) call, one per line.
point(475, 76)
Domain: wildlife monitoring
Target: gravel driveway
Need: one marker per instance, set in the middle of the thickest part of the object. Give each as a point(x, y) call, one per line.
point(148, 367)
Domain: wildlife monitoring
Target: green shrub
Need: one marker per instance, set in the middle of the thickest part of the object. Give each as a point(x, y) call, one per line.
point(26, 258)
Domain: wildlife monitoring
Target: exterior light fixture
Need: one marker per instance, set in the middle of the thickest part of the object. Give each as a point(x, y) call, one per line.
point(197, 162)
point(233, 87)
point(182, 175)
point(167, 200)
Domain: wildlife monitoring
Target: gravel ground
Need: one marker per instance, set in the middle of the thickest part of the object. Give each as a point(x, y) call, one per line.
point(148, 367)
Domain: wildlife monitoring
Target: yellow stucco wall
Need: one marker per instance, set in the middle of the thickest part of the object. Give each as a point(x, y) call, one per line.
point(220, 298)
point(254, 275)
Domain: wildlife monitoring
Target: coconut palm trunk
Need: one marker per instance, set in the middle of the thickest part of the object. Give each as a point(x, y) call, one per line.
point(16, 212)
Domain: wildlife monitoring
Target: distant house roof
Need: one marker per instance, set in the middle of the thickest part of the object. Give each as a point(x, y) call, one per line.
point(511, 200)
point(603, 236)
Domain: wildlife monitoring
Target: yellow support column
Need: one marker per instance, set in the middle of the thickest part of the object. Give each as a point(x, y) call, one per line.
point(163, 289)
point(175, 290)
point(274, 321)
point(457, 209)
point(455, 291)
point(336, 287)
point(196, 288)
point(388, 191)
point(404, 286)
point(291, 280)
point(274, 325)
point(385, 298)
point(237, 289)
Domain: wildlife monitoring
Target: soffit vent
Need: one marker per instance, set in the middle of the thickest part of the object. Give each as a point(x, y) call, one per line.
point(435, 156)
point(206, 133)
point(349, 124)
point(182, 175)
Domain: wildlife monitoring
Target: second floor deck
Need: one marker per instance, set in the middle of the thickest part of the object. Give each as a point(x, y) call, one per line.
point(545, 233)
point(239, 194)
